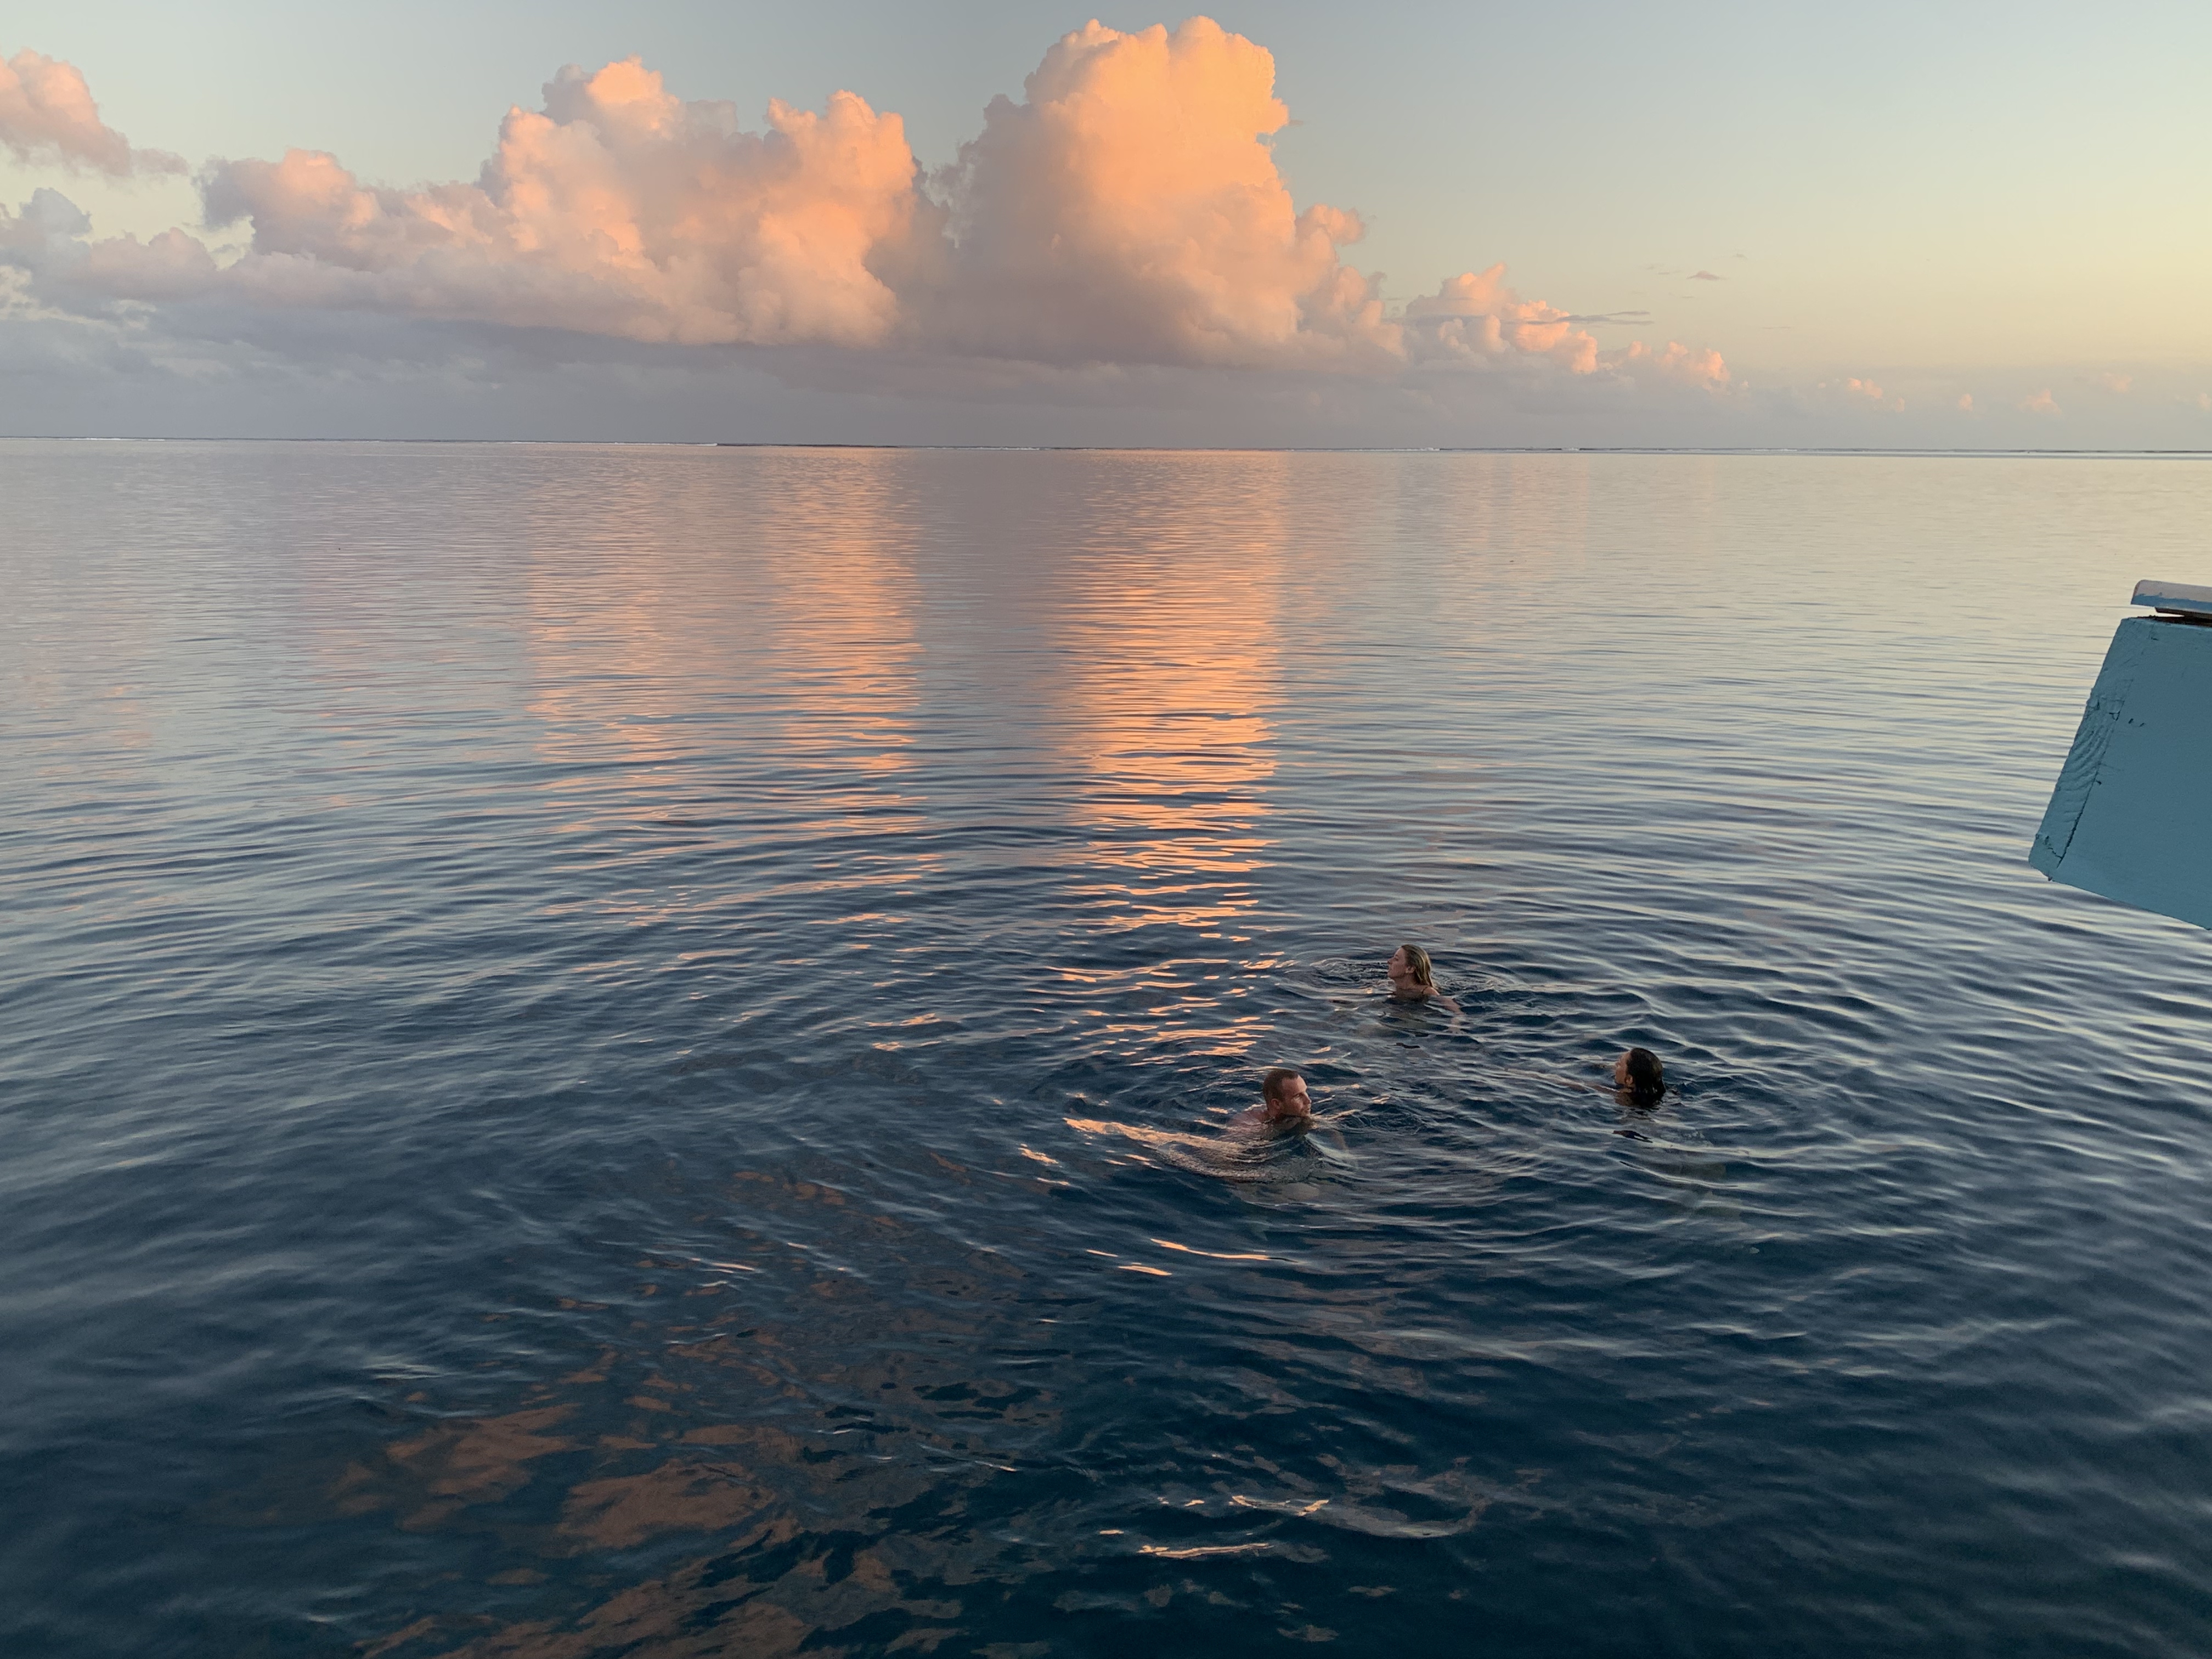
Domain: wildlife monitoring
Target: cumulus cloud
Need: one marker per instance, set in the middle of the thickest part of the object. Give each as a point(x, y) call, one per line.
point(1853, 390)
point(47, 115)
point(1474, 316)
point(1674, 362)
point(2115, 383)
point(1474, 319)
point(1127, 211)
point(49, 220)
point(2041, 402)
point(619, 210)
point(1965, 402)
point(1129, 208)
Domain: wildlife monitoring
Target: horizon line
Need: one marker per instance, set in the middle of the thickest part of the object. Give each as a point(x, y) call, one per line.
point(1154, 449)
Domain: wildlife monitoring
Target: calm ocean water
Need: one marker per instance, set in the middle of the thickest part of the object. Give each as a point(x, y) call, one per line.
point(599, 1051)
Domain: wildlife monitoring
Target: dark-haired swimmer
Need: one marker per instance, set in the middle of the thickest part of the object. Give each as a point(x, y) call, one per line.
point(1638, 1078)
point(1284, 1104)
point(1414, 979)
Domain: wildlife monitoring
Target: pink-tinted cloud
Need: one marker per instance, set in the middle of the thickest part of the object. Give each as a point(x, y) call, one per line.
point(1851, 389)
point(1675, 361)
point(1474, 316)
point(618, 210)
point(2041, 402)
point(1127, 211)
point(1129, 208)
point(1474, 319)
point(1965, 402)
point(47, 115)
point(1854, 389)
point(2116, 383)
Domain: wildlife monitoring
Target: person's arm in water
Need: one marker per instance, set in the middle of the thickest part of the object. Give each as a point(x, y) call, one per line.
point(1327, 1135)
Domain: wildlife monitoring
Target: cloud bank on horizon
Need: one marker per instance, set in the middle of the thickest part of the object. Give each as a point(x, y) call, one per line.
point(1128, 211)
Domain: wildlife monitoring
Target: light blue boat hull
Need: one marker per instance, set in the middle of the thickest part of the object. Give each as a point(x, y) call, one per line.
point(2132, 815)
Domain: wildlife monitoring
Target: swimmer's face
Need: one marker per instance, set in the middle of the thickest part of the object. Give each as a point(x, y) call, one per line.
point(1289, 1101)
point(1401, 973)
point(1620, 1072)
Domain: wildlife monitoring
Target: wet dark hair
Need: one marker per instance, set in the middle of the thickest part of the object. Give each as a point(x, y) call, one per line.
point(1647, 1079)
point(1271, 1086)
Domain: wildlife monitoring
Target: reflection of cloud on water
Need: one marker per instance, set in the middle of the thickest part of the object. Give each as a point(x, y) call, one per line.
point(790, 1462)
point(807, 606)
point(1212, 1255)
point(799, 610)
point(622, 624)
point(1201, 1551)
point(1170, 643)
point(880, 1438)
point(454, 1465)
point(835, 554)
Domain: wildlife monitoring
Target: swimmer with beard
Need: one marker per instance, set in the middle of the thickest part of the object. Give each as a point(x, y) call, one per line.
point(1285, 1106)
point(1285, 1114)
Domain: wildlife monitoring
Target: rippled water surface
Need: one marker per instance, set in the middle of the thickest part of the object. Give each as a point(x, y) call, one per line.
point(615, 1052)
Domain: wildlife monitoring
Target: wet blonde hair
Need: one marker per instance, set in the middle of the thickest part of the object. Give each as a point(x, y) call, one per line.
point(1418, 959)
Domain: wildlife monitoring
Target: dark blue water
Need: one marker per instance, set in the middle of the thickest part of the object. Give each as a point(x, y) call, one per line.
point(600, 1051)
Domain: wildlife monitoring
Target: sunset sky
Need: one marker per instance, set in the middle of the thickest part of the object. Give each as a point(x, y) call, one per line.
point(1886, 226)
